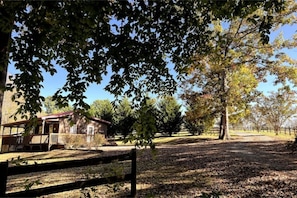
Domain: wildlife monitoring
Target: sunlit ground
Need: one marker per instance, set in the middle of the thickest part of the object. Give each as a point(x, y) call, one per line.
point(160, 139)
point(283, 135)
point(184, 136)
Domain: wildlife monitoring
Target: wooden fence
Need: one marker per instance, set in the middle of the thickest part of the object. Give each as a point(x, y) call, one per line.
point(16, 170)
point(283, 130)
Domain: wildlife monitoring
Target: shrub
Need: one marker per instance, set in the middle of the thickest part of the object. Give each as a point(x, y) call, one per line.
point(74, 141)
point(98, 140)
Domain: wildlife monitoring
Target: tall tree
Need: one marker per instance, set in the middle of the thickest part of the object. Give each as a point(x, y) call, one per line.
point(169, 117)
point(104, 110)
point(87, 37)
point(200, 114)
point(238, 60)
point(51, 106)
point(9, 107)
point(278, 107)
point(124, 117)
point(205, 87)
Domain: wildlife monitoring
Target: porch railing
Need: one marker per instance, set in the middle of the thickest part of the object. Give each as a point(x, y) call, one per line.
point(13, 142)
point(61, 138)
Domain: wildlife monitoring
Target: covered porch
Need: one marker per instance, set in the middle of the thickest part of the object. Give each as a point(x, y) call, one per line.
point(14, 138)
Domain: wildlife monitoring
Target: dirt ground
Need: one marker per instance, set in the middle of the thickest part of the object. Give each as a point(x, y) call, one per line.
point(247, 167)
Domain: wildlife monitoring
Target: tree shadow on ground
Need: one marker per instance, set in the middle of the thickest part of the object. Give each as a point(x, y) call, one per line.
point(63, 176)
point(229, 167)
point(61, 154)
point(180, 141)
point(189, 167)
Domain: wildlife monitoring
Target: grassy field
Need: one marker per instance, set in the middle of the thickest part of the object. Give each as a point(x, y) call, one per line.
point(159, 139)
point(184, 136)
point(281, 136)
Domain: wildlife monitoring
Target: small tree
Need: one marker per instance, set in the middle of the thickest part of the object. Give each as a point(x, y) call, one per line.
point(169, 118)
point(278, 107)
point(255, 117)
point(145, 126)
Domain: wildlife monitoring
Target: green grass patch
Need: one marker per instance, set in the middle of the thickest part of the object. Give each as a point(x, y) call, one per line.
point(186, 138)
point(179, 138)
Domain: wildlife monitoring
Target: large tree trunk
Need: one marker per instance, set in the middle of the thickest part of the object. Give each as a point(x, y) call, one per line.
point(6, 25)
point(224, 124)
point(277, 129)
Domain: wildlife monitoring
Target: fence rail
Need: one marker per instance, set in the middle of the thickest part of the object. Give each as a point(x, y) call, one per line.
point(16, 170)
point(283, 130)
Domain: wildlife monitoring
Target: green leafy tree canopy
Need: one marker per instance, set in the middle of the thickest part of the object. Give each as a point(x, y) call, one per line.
point(169, 116)
point(134, 39)
point(124, 117)
point(238, 60)
point(51, 106)
point(102, 109)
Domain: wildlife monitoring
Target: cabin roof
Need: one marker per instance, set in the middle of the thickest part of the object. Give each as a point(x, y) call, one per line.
point(22, 123)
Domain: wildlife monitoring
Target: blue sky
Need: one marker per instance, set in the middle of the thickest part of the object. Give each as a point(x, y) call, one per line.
point(53, 83)
point(288, 31)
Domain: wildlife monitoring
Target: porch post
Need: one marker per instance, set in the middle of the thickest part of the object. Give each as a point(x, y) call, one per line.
point(1, 139)
point(9, 135)
point(43, 125)
point(49, 141)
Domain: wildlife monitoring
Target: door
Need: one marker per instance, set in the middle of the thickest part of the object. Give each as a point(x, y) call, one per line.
point(90, 133)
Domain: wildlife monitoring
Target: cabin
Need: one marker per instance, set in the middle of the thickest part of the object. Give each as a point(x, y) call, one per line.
point(52, 131)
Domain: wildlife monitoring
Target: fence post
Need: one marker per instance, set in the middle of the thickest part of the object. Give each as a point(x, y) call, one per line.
point(133, 173)
point(3, 178)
